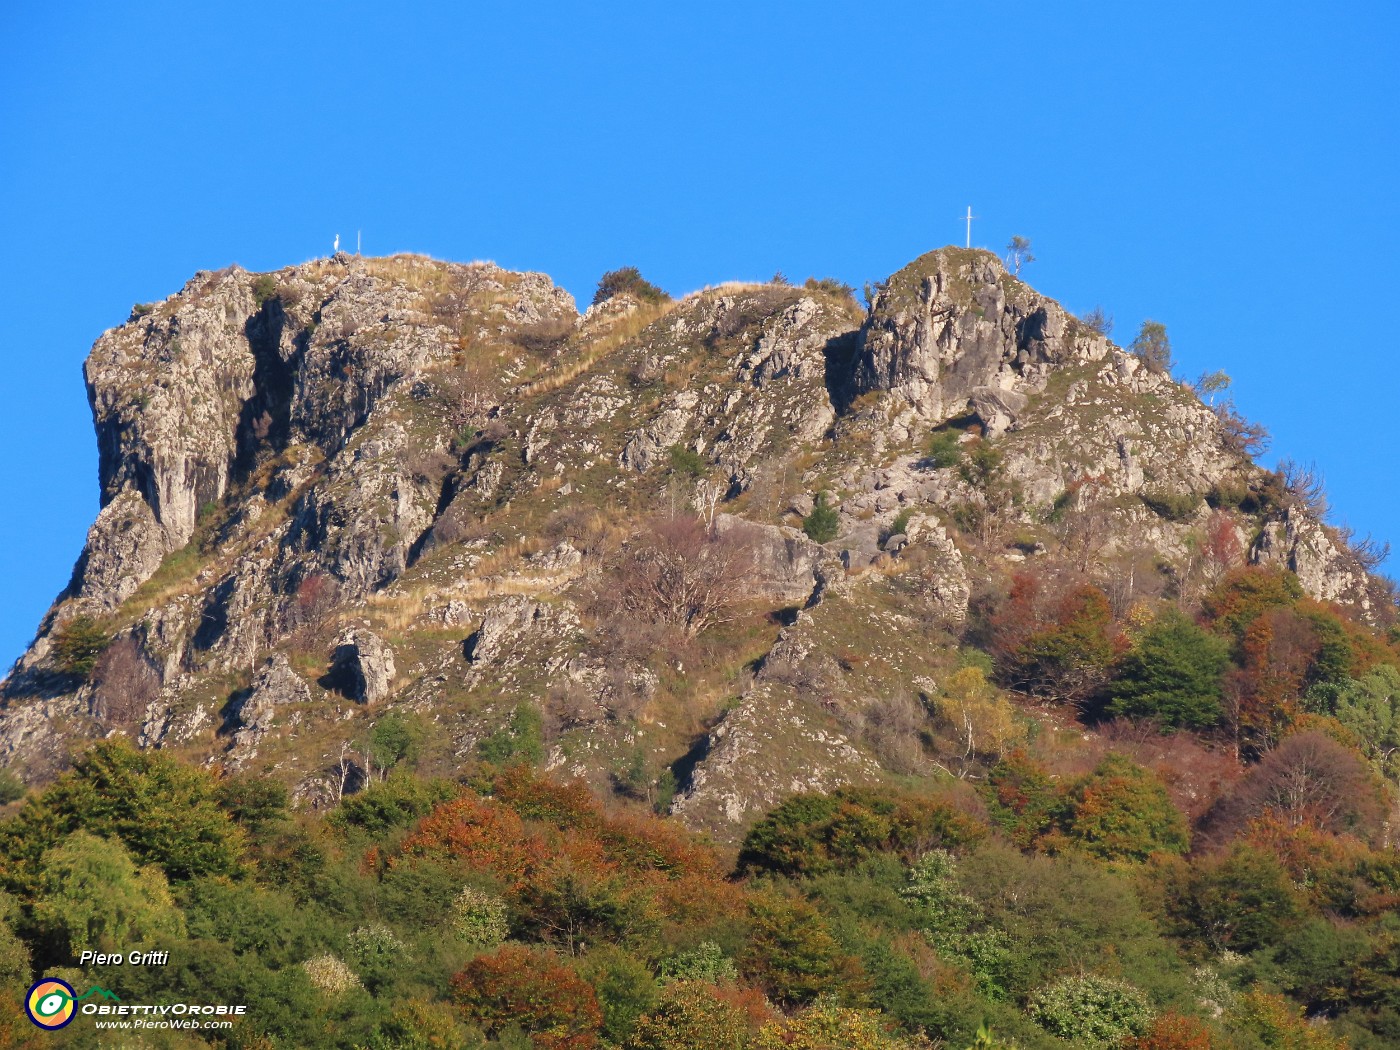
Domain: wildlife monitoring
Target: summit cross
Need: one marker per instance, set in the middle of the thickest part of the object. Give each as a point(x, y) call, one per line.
point(970, 217)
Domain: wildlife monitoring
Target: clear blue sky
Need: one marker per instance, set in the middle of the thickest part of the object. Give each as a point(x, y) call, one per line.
point(1226, 168)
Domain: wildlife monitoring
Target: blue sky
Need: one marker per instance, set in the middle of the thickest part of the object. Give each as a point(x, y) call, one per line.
point(1228, 169)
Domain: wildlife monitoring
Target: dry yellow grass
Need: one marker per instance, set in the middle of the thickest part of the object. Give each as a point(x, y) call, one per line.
point(594, 350)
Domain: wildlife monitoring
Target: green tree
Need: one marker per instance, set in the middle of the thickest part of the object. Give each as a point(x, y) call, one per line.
point(77, 644)
point(520, 740)
point(164, 812)
point(1369, 705)
point(624, 986)
point(1174, 673)
point(823, 523)
point(944, 449)
point(792, 953)
point(1153, 347)
point(1018, 254)
point(91, 895)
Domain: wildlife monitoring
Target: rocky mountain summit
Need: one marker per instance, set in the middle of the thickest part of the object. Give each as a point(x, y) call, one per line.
point(363, 486)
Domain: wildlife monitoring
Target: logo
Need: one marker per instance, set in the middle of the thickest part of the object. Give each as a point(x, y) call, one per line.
point(50, 1003)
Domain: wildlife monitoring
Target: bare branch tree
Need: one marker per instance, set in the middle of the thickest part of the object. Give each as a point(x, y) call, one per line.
point(681, 572)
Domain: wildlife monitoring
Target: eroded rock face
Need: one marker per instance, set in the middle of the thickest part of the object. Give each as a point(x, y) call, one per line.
point(953, 332)
point(274, 687)
point(364, 665)
point(312, 461)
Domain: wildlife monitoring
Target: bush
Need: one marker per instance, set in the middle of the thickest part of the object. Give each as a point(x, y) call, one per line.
point(1091, 1011)
point(813, 834)
point(690, 1016)
point(1174, 506)
point(479, 918)
point(1070, 659)
point(900, 525)
point(330, 974)
point(830, 286)
point(77, 645)
point(705, 962)
point(12, 788)
point(164, 812)
point(628, 281)
point(792, 954)
point(944, 449)
point(823, 523)
point(685, 461)
point(520, 740)
point(1174, 674)
point(264, 288)
point(141, 310)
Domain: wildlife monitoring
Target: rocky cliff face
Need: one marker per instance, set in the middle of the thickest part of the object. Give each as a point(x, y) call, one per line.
point(366, 485)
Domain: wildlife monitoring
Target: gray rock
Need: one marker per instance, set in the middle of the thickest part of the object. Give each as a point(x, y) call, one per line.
point(365, 665)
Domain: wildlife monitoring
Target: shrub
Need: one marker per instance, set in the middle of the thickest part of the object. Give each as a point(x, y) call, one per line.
point(705, 962)
point(830, 286)
point(330, 974)
point(822, 525)
point(1091, 1011)
point(141, 310)
point(628, 281)
point(679, 572)
point(92, 896)
point(1174, 506)
point(624, 987)
point(12, 788)
point(791, 951)
point(1173, 1031)
point(479, 918)
point(77, 645)
point(264, 288)
point(1309, 779)
point(519, 740)
point(944, 449)
point(812, 834)
point(164, 812)
point(900, 525)
point(1174, 674)
point(827, 1025)
point(1241, 900)
point(1070, 659)
point(396, 802)
point(686, 461)
point(252, 801)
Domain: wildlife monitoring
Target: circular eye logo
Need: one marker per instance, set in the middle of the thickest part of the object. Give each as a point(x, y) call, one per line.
point(50, 1003)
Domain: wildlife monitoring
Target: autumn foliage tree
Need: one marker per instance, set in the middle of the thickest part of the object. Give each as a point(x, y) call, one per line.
point(533, 989)
point(1070, 659)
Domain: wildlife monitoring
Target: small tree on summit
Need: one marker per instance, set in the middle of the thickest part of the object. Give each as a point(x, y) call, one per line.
point(1153, 347)
point(628, 281)
point(1018, 254)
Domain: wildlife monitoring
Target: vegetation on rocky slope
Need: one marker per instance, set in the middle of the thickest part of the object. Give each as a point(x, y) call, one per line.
point(1025, 696)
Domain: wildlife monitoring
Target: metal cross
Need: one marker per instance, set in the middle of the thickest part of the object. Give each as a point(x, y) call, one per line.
point(970, 217)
